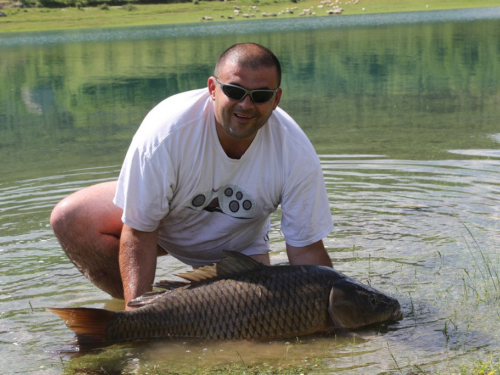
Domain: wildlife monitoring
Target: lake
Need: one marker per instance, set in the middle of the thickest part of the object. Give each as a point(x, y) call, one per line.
point(404, 111)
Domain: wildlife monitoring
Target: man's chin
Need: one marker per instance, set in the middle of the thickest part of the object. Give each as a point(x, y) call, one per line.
point(242, 133)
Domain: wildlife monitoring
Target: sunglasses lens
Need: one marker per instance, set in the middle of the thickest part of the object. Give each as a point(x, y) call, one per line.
point(238, 93)
point(262, 96)
point(233, 92)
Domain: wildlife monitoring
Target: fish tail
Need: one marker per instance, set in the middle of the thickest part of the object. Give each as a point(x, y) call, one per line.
point(88, 324)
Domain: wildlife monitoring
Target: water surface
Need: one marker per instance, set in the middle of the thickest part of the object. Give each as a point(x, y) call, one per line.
point(404, 111)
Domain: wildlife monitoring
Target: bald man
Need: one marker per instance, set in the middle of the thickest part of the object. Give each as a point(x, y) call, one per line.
point(203, 174)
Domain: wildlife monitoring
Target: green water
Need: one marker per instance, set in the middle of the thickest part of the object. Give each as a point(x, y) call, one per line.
point(404, 110)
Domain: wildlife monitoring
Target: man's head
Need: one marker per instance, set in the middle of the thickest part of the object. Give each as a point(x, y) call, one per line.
point(249, 55)
point(251, 67)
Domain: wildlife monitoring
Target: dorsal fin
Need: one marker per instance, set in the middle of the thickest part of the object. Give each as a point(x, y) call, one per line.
point(199, 274)
point(235, 263)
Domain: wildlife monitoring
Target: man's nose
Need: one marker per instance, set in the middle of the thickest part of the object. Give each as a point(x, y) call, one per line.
point(246, 102)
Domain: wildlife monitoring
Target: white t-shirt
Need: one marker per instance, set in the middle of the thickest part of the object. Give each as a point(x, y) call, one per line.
point(177, 176)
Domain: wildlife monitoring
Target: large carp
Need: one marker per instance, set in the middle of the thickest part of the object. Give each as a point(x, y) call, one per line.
point(239, 298)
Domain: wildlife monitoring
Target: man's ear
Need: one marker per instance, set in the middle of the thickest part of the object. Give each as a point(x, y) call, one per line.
point(277, 98)
point(212, 84)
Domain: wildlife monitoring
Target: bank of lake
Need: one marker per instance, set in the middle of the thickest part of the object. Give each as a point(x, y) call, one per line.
point(19, 19)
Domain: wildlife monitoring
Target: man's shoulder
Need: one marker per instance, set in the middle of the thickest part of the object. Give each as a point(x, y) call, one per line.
point(171, 116)
point(184, 103)
point(285, 129)
point(282, 121)
point(177, 111)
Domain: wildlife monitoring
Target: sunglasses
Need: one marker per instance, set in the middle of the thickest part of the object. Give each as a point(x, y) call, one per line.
point(239, 93)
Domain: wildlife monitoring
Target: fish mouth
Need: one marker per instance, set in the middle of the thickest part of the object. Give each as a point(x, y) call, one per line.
point(396, 315)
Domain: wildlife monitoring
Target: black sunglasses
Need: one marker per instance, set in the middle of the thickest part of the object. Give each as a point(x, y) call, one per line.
point(239, 93)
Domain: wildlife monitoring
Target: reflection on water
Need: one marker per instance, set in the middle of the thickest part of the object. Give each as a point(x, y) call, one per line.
point(404, 117)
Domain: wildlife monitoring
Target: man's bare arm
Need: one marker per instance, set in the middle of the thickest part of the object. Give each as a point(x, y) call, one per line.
point(314, 254)
point(138, 253)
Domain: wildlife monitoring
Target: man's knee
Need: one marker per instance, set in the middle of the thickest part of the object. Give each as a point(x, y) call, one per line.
point(90, 210)
point(60, 214)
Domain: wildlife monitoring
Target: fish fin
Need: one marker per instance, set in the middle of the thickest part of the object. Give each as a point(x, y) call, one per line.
point(88, 324)
point(147, 298)
point(236, 263)
point(199, 274)
point(150, 297)
point(331, 300)
point(169, 285)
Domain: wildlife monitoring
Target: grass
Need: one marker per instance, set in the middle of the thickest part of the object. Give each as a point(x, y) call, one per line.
point(483, 266)
point(479, 367)
point(38, 19)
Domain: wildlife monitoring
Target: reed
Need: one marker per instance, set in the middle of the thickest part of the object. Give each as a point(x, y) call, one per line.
point(483, 264)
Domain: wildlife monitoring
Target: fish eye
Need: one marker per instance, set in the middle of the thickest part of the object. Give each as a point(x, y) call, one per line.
point(374, 299)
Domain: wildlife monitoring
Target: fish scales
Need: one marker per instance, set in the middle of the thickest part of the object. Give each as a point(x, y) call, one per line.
point(241, 299)
point(248, 308)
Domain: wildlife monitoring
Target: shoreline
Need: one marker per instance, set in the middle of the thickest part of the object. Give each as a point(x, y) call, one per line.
point(45, 19)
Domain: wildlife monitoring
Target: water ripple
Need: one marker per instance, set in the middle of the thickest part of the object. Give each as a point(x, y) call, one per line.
point(400, 227)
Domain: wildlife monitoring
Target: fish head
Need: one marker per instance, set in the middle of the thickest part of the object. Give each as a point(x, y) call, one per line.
point(354, 305)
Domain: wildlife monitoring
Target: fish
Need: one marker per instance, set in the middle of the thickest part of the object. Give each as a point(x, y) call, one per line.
point(239, 298)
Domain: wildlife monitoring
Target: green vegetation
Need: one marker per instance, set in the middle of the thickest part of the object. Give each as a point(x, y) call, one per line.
point(487, 268)
point(73, 14)
point(481, 368)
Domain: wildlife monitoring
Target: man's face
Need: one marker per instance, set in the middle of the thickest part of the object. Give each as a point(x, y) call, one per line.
point(240, 120)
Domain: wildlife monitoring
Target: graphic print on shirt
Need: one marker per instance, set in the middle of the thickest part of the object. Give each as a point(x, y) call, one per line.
point(228, 199)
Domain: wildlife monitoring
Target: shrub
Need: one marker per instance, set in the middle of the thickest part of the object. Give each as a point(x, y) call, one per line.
point(26, 3)
point(130, 7)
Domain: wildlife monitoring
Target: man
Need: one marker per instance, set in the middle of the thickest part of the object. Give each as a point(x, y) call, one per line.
point(203, 174)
